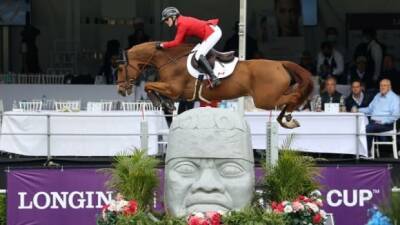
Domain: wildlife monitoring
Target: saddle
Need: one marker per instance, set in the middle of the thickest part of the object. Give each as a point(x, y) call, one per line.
point(214, 55)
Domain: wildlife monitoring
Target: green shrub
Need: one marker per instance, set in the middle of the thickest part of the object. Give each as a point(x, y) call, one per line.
point(135, 176)
point(293, 175)
point(392, 209)
point(3, 214)
point(253, 216)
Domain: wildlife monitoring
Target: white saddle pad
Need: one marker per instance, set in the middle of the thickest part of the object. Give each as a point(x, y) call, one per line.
point(221, 69)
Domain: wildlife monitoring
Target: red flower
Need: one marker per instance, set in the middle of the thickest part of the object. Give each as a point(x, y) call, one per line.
point(214, 217)
point(317, 218)
point(193, 220)
point(105, 207)
point(277, 207)
point(131, 208)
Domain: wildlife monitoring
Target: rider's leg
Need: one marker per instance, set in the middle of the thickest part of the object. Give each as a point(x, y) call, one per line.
point(205, 47)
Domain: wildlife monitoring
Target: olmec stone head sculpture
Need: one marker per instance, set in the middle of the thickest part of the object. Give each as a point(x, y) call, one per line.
point(209, 162)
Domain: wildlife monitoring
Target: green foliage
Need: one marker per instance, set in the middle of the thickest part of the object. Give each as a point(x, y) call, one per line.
point(293, 175)
point(168, 220)
point(253, 216)
point(135, 176)
point(3, 214)
point(140, 218)
point(392, 209)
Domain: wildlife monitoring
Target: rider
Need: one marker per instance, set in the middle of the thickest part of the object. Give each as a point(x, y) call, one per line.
point(208, 31)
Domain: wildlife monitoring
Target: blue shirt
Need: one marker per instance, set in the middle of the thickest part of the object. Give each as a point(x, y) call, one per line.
point(384, 108)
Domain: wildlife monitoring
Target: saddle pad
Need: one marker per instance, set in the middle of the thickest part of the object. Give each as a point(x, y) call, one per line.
point(221, 70)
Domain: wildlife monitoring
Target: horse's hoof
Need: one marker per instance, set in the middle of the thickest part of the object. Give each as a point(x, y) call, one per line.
point(168, 105)
point(292, 124)
point(155, 100)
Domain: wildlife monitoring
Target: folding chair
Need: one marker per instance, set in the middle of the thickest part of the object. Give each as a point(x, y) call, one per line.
point(32, 106)
point(376, 143)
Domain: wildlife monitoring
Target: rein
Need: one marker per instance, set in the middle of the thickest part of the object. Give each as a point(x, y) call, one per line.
point(146, 63)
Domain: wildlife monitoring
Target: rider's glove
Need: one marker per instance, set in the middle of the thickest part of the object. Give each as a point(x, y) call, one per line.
point(159, 46)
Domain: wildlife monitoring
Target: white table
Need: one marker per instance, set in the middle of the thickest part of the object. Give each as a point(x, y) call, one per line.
point(77, 133)
point(319, 132)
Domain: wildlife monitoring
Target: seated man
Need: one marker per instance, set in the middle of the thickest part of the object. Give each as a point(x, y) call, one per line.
point(384, 110)
point(358, 98)
point(209, 164)
point(330, 95)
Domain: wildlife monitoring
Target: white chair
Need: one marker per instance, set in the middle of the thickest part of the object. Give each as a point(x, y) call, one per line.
point(53, 79)
point(68, 106)
point(32, 106)
point(138, 106)
point(99, 106)
point(376, 143)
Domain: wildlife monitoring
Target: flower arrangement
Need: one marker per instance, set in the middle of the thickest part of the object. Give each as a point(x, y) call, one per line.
point(135, 177)
point(303, 210)
point(209, 218)
point(117, 208)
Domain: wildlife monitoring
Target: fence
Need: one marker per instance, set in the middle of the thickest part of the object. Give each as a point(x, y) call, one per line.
point(14, 78)
point(261, 134)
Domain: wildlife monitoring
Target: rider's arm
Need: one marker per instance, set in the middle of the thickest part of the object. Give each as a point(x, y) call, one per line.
point(179, 38)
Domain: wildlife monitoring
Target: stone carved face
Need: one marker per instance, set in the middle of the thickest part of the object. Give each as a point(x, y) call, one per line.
point(209, 165)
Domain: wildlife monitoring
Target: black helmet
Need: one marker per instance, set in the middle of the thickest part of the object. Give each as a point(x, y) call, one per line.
point(169, 12)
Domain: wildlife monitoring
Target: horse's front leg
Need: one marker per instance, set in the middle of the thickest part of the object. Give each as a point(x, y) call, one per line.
point(165, 94)
point(163, 89)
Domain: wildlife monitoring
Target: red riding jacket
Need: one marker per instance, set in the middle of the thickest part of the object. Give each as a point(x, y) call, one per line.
point(189, 26)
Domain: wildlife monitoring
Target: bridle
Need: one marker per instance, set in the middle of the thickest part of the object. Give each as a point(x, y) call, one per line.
point(126, 63)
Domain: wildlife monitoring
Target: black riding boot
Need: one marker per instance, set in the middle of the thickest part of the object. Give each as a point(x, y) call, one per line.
point(206, 66)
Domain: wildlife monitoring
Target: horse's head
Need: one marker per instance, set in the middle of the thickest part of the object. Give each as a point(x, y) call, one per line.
point(133, 62)
point(136, 59)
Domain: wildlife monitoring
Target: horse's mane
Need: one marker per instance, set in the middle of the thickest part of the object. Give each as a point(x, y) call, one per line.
point(179, 50)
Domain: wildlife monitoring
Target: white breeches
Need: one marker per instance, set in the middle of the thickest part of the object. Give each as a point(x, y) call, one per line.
point(209, 43)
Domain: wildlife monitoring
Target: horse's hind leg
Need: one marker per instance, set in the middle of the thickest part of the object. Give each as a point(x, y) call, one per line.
point(289, 102)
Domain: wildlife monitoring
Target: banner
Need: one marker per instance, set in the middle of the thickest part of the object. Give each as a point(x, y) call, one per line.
point(350, 191)
point(76, 196)
point(49, 197)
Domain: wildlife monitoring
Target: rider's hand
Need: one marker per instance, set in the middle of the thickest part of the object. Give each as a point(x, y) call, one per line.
point(159, 46)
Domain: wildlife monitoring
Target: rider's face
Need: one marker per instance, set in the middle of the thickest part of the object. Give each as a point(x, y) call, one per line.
point(169, 22)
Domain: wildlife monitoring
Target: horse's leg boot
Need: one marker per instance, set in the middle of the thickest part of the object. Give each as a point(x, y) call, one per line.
point(207, 68)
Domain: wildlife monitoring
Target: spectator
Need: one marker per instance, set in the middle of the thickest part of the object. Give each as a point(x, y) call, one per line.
point(138, 36)
point(30, 53)
point(306, 61)
point(330, 95)
point(232, 44)
point(390, 72)
point(109, 70)
point(329, 62)
point(358, 98)
point(288, 14)
point(384, 110)
point(359, 72)
point(110, 57)
point(332, 36)
point(373, 50)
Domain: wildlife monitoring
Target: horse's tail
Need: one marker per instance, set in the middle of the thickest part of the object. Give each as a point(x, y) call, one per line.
point(302, 77)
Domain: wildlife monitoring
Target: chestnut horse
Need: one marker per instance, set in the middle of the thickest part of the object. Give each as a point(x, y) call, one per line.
point(272, 84)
